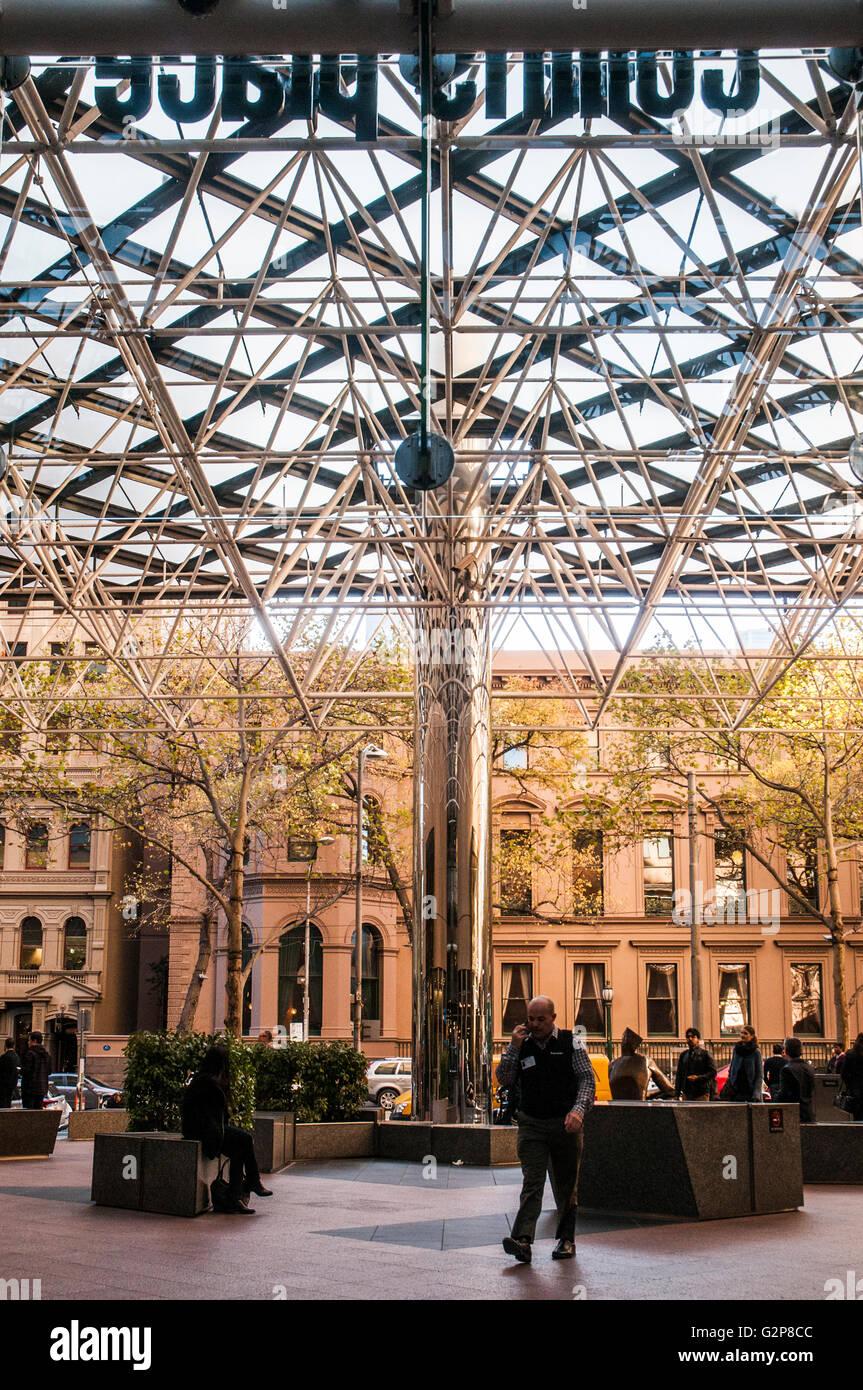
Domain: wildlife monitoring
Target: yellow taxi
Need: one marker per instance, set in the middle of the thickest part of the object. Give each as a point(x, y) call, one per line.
point(402, 1104)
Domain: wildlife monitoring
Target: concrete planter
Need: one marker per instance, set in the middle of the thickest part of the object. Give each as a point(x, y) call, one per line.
point(477, 1146)
point(832, 1153)
point(84, 1124)
point(342, 1139)
point(28, 1133)
point(273, 1137)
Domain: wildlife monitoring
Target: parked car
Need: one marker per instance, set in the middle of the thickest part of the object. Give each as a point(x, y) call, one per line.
point(387, 1078)
point(96, 1095)
point(722, 1077)
point(54, 1100)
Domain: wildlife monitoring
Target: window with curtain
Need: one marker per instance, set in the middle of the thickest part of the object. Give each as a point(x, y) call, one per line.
point(807, 1014)
point(371, 968)
point(516, 870)
point(516, 992)
point(292, 949)
point(79, 846)
point(587, 874)
point(588, 1008)
point(658, 860)
point(36, 851)
point(733, 998)
point(730, 874)
point(30, 957)
point(662, 999)
point(801, 862)
point(74, 944)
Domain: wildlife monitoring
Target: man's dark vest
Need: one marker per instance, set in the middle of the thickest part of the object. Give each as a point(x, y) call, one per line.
point(547, 1086)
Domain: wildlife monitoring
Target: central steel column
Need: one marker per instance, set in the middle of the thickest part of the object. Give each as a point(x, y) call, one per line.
point(452, 810)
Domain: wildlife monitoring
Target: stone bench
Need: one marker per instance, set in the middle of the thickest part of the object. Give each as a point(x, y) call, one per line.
point(832, 1153)
point(273, 1138)
point(152, 1171)
point(28, 1133)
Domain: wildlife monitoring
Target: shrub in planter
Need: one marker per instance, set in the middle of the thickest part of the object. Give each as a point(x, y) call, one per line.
point(318, 1081)
point(160, 1064)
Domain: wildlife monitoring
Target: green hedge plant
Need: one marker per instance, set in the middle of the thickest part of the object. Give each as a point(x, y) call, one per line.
point(317, 1080)
point(159, 1065)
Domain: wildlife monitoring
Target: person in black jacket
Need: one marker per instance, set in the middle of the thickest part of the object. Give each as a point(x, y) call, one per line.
point(9, 1064)
point(696, 1070)
point(797, 1081)
point(773, 1069)
point(205, 1117)
point(746, 1073)
point(35, 1069)
point(851, 1071)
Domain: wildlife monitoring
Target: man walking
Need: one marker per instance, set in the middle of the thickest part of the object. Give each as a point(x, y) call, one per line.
point(773, 1069)
point(797, 1081)
point(35, 1067)
point(8, 1074)
point(556, 1090)
point(696, 1070)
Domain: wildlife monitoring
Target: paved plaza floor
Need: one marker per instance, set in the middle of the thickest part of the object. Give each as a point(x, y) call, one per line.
point(368, 1229)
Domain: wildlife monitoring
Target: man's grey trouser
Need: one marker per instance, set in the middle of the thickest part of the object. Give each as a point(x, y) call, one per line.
point(544, 1146)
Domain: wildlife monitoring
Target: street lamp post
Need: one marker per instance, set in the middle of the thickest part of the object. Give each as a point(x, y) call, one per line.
point(307, 964)
point(607, 997)
point(370, 751)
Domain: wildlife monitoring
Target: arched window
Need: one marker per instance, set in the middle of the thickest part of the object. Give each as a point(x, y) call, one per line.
point(292, 971)
point(31, 944)
point(79, 845)
point(371, 972)
point(74, 944)
point(37, 845)
point(247, 987)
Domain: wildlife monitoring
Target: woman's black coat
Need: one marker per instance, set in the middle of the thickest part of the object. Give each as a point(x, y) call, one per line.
point(205, 1114)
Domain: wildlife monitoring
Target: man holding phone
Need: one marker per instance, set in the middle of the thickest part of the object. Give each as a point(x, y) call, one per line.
point(556, 1090)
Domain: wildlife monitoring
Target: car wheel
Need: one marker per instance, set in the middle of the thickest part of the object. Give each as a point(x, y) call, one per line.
point(387, 1098)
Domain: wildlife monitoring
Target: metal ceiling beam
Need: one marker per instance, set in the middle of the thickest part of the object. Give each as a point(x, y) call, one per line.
point(371, 26)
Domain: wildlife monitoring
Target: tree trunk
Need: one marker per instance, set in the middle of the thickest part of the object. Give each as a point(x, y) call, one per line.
point(186, 1021)
point(234, 975)
point(837, 924)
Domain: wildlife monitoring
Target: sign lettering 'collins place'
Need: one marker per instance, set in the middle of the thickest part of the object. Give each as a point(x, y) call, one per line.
point(346, 88)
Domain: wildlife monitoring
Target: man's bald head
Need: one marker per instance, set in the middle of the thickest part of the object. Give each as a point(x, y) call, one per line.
point(540, 1017)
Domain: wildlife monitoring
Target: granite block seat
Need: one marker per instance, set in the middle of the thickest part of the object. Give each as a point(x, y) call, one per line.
point(832, 1153)
point(273, 1138)
point(28, 1133)
point(152, 1171)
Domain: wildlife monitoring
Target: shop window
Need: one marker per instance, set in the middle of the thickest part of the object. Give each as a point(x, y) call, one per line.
point(733, 998)
point(658, 860)
point(587, 873)
point(371, 972)
point(36, 852)
point(516, 980)
point(802, 875)
point(730, 875)
point(807, 1012)
point(516, 870)
point(662, 1000)
point(292, 968)
point(79, 846)
point(588, 1009)
point(74, 944)
point(30, 957)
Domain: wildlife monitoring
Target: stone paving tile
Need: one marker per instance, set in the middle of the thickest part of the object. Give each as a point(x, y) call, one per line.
point(375, 1232)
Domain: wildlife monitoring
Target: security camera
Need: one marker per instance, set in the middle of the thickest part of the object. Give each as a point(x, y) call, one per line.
point(202, 975)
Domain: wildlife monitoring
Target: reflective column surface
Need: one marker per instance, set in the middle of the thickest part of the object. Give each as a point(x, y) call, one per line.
point(452, 810)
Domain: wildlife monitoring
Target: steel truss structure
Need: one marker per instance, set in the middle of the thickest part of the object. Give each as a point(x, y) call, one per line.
point(649, 326)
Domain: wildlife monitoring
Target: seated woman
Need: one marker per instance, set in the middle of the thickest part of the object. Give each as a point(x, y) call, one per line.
point(205, 1117)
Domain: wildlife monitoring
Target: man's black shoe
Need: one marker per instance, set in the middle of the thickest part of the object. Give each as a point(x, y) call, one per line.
point(519, 1248)
point(564, 1250)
